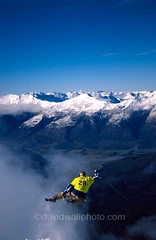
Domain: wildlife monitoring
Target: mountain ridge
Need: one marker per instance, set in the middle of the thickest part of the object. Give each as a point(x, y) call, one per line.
point(144, 98)
point(95, 119)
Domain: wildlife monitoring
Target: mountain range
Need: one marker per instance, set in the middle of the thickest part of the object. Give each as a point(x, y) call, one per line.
point(48, 133)
point(83, 119)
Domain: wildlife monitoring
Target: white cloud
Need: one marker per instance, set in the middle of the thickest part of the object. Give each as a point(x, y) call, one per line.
point(146, 53)
point(22, 198)
point(128, 1)
point(20, 192)
point(18, 108)
point(124, 2)
point(109, 54)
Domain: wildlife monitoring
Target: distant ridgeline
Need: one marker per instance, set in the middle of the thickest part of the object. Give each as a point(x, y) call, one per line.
point(102, 120)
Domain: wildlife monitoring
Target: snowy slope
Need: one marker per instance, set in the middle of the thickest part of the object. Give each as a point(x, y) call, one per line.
point(119, 104)
point(98, 100)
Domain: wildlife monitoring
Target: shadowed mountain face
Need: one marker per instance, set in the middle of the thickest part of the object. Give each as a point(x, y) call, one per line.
point(126, 189)
point(51, 97)
point(94, 131)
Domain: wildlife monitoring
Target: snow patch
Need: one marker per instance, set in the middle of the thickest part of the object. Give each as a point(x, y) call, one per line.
point(32, 122)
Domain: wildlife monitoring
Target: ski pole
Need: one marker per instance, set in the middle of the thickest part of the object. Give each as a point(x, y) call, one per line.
point(116, 190)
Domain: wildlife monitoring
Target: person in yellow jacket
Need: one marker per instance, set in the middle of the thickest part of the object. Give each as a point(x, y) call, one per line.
point(77, 189)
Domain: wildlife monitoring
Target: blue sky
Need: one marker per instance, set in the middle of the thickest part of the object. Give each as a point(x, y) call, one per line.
point(68, 45)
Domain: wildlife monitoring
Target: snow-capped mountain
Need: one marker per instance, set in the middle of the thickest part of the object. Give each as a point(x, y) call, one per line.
point(97, 113)
point(82, 101)
point(98, 99)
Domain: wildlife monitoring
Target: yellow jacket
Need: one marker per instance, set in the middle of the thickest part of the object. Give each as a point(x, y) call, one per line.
point(82, 183)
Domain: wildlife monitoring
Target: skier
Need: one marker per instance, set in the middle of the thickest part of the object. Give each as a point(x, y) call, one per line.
point(77, 189)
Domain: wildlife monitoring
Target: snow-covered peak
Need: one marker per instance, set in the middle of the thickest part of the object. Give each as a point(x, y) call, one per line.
point(81, 101)
point(9, 99)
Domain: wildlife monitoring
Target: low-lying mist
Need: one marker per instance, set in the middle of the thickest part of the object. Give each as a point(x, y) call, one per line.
point(24, 213)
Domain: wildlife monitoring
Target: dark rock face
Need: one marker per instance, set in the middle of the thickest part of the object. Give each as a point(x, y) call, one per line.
point(126, 189)
point(95, 131)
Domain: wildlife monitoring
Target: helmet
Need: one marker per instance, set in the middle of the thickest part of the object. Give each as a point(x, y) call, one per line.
point(82, 174)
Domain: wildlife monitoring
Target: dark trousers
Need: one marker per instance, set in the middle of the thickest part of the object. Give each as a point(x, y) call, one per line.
point(73, 198)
